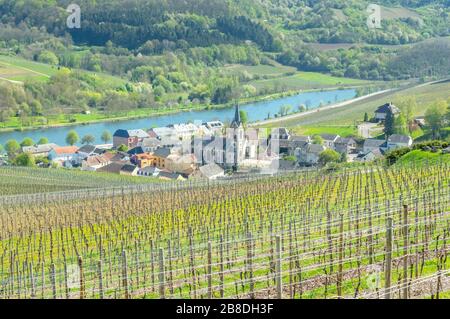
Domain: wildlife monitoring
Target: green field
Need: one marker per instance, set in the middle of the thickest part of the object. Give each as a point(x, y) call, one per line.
point(306, 81)
point(17, 69)
point(342, 119)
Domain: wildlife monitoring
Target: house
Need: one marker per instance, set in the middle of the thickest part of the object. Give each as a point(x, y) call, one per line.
point(88, 150)
point(309, 155)
point(185, 164)
point(94, 162)
point(62, 154)
point(143, 160)
point(149, 171)
point(398, 141)
point(280, 133)
point(371, 144)
point(113, 168)
point(214, 126)
point(150, 144)
point(129, 170)
point(129, 138)
point(382, 111)
point(167, 176)
point(345, 145)
point(289, 147)
point(162, 132)
point(160, 156)
point(135, 151)
point(329, 140)
point(210, 171)
point(39, 150)
point(369, 156)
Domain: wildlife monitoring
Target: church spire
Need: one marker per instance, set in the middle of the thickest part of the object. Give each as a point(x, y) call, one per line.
point(237, 118)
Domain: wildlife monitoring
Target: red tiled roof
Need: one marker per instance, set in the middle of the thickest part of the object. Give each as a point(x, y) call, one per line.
point(66, 150)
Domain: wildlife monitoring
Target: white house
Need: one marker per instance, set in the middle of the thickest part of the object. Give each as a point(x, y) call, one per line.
point(372, 144)
point(62, 154)
point(210, 171)
point(398, 141)
point(329, 140)
point(382, 111)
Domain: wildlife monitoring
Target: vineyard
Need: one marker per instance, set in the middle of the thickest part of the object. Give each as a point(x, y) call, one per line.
point(371, 232)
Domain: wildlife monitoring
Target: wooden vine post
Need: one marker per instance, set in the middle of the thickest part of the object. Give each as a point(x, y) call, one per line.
point(341, 256)
point(82, 287)
point(405, 251)
point(388, 266)
point(278, 268)
point(125, 275)
point(162, 275)
point(210, 294)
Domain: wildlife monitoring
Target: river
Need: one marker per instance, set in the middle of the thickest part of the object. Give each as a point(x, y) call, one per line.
point(257, 111)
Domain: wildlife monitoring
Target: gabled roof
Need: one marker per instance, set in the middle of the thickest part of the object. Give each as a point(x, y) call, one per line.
point(128, 168)
point(39, 148)
point(315, 148)
point(300, 138)
point(370, 142)
point(388, 107)
point(96, 160)
point(162, 152)
point(131, 133)
point(65, 150)
point(111, 168)
point(136, 150)
point(329, 137)
point(86, 149)
point(168, 175)
point(397, 138)
point(151, 142)
point(211, 170)
point(345, 140)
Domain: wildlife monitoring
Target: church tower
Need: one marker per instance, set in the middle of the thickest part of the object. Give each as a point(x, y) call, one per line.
point(237, 138)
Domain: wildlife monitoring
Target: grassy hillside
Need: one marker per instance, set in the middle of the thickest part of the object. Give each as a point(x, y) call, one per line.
point(342, 120)
point(418, 156)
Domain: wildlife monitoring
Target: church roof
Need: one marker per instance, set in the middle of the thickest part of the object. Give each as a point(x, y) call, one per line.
point(237, 118)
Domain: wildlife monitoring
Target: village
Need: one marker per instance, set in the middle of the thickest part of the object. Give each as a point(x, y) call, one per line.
point(211, 151)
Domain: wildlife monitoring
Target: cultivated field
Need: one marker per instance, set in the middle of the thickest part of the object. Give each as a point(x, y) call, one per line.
point(316, 234)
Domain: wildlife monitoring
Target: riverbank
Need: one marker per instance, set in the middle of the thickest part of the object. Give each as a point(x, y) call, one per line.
point(317, 110)
point(86, 119)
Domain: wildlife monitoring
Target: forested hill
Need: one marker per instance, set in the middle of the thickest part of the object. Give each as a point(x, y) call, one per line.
point(191, 23)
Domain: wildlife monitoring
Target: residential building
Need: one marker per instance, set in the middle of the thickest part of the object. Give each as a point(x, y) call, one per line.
point(94, 162)
point(39, 150)
point(210, 171)
point(89, 150)
point(373, 144)
point(160, 156)
point(309, 155)
point(370, 156)
point(382, 111)
point(329, 140)
point(184, 164)
point(149, 171)
point(345, 145)
point(143, 160)
point(129, 138)
point(397, 141)
point(163, 175)
point(150, 144)
point(129, 170)
point(62, 154)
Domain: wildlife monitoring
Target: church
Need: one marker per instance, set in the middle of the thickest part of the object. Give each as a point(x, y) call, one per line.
point(233, 148)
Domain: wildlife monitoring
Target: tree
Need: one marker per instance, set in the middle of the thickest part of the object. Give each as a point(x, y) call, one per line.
point(317, 139)
point(244, 117)
point(106, 137)
point(42, 141)
point(24, 159)
point(435, 117)
point(302, 108)
point(48, 57)
point(88, 139)
point(72, 138)
point(329, 156)
point(389, 124)
point(122, 148)
point(27, 142)
point(1, 149)
point(12, 147)
point(366, 117)
point(401, 125)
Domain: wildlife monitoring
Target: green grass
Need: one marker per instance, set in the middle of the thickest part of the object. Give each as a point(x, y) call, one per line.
point(422, 156)
point(343, 131)
point(306, 81)
point(352, 113)
point(261, 70)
